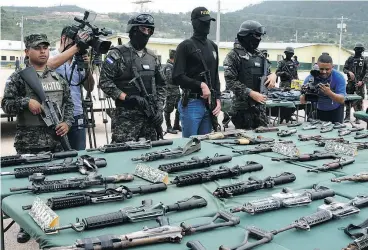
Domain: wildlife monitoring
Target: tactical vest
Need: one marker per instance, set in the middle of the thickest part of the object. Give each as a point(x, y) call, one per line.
point(171, 88)
point(146, 67)
point(289, 67)
point(357, 67)
point(53, 89)
point(251, 69)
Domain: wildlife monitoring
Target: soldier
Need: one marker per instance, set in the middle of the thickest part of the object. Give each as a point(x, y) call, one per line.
point(243, 70)
point(286, 69)
point(173, 95)
point(32, 135)
point(131, 123)
point(356, 68)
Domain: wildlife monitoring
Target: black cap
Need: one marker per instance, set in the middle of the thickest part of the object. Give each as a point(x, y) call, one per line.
point(202, 14)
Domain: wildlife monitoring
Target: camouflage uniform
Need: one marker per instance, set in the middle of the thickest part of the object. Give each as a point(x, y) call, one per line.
point(32, 134)
point(359, 66)
point(241, 77)
point(116, 73)
point(173, 95)
point(287, 71)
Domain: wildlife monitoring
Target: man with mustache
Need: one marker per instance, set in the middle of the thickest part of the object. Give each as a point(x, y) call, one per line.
point(32, 135)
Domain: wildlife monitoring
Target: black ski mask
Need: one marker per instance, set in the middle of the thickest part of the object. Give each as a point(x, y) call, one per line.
point(358, 52)
point(201, 28)
point(249, 42)
point(138, 39)
point(289, 55)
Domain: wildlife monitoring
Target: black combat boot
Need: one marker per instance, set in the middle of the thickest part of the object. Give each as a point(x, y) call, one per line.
point(176, 122)
point(23, 236)
point(169, 129)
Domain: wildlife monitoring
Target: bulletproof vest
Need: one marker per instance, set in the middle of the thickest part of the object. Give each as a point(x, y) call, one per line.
point(289, 67)
point(251, 69)
point(357, 67)
point(53, 89)
point(171, 88)
point(146, 67)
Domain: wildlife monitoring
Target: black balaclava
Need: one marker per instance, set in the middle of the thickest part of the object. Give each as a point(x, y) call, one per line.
point(249, 42)
point(201, 28)
point(138, 39)
point(289, 55)
point(358, 52)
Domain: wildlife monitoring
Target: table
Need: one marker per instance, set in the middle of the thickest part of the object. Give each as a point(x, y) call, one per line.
point(361, 115)
point(272, 104)
point(120, 162)
point(349, 99)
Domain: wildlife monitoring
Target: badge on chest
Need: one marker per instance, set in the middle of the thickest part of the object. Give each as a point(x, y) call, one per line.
point(145, 67)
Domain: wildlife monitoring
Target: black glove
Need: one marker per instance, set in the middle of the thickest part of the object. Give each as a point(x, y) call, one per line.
point(136, 100)
point(158, 119)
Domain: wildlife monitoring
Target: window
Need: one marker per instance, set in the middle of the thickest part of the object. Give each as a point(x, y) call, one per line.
point(12, 58)
point(279, 58)
point(3, 58)
point(313, 60)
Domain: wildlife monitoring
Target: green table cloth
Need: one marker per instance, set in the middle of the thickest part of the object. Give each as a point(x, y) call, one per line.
point(362, 115)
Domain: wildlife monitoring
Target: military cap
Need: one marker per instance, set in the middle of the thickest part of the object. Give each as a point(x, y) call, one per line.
point(359, 45)
point(289, 49)
point(34, 40)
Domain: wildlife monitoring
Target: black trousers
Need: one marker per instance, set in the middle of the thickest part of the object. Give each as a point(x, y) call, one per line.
point(335, 115)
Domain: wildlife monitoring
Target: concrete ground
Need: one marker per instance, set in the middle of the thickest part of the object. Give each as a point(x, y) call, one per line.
point(7, 140)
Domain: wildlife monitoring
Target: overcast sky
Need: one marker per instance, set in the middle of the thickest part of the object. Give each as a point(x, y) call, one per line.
point(170, 6)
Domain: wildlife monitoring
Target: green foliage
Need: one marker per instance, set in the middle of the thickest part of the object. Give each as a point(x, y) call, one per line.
point(314, 21)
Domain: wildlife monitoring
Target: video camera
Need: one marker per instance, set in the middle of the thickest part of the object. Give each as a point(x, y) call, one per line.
point(310, 90)
point(98, 45)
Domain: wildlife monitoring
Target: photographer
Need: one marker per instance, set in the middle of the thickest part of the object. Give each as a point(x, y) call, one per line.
point(62, 61)
point(330, 85)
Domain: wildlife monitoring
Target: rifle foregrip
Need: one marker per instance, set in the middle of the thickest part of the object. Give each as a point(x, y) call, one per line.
point(161, 143)
point(317, 218)
point(65, 154)
point(195, 245)
point(68, 201)
point(191, 203)
point(318, 195)
point(284, 178)
point(105, 220)
point(146, 189)
point(221, 159)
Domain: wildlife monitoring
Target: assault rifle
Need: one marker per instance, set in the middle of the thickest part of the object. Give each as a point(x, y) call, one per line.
point(148, 236)
point(120, 193)
point(151, 109)
point(266, 129)
point(192, 146)
point(213, 175)
point(130, 145)
point(262, 86)
point(316, 155)
point(362, 177)
point(361, 135)
point(253, 184)
point(84, 164)
point(284, 133)
point(221, 135)
point(329, 211)
point(132, 214)
point(40, 185)
point(285, 199)
point(194, 163)
point(245, 141)
point(359, 243)
point(51, 113)
point(256, 150)
point(340, 163)
point(14, 160)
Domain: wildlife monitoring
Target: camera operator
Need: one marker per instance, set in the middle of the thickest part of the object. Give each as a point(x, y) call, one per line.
point(330, 85)
point(62, 61)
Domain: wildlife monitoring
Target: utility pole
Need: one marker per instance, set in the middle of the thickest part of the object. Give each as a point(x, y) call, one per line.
point(21, 40)
point(296, 36)
point(218, 23)
point(341, 26)
point(141, 3)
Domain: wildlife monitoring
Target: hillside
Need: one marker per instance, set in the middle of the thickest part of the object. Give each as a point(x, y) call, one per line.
point(312, 21)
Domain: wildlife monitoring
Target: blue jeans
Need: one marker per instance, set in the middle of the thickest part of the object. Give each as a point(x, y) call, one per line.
point(195, 118)
point(77, 134)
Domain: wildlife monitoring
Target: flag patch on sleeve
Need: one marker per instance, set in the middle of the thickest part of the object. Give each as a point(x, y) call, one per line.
point(109, 60)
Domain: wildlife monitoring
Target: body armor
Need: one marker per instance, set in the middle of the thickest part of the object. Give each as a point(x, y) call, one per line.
point(356, 65)
point(53, 89)
point(290, 68)
point(171, 88)
point(146, 67)
point(250, 72)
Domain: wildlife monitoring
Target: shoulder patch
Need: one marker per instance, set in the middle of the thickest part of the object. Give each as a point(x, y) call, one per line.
point(109, 60)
